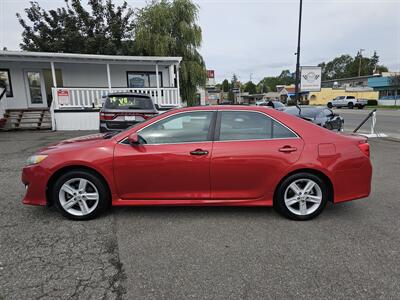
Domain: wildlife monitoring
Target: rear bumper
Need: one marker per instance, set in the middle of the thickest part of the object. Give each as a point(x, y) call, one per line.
point(353, 184)
point(106, 126)
point(35, 179)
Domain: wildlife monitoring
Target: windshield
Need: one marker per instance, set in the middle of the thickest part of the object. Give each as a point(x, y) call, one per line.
point(128, 102)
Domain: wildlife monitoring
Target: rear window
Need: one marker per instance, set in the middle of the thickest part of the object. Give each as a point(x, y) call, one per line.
point(128, 102)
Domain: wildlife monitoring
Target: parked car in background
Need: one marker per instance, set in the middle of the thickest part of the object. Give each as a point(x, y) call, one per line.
point(121, 110)
point(347, 101)
point(272, 103)
point(208, 155)
point(319, 115)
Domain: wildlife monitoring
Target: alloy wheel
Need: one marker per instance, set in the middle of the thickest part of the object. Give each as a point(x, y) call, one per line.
point(78, 196)
point(303, 197)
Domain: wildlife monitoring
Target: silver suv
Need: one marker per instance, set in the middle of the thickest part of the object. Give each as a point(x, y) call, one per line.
point(121, 110)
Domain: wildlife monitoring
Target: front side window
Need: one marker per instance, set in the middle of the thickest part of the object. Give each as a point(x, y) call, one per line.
point(5, 82)
point(243, 125)
point(143, 79)
point(181, 128)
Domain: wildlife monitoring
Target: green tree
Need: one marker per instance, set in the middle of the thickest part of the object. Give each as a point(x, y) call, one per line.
point(250, 87)
point(169, 28)
point(347, 66)
point(225, 85)
point(104, 29)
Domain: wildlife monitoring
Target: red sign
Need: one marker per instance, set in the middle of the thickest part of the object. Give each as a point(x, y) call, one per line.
point(63, 97)
point(210, 74)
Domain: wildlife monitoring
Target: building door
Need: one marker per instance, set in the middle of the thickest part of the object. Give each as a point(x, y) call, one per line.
point(35, 88)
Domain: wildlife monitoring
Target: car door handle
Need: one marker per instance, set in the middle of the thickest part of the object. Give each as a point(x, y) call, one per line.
point(287, 149)
point(199, 152)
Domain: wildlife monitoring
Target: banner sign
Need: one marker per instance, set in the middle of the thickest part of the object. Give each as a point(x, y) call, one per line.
point(310, 79)
point(210, 74)
point(63, 97)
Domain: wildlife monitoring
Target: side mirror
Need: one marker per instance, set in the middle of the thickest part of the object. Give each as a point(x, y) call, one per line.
point(134, 139)
point(157, 106)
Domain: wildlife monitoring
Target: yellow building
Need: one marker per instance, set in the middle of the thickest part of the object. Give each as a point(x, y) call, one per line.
point(327, 94)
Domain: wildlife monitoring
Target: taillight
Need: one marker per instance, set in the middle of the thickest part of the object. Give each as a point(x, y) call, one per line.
point(106, 116)
point(364, 147)
point(148, 116)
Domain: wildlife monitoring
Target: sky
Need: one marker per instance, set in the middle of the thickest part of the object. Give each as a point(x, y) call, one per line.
point(258, 38)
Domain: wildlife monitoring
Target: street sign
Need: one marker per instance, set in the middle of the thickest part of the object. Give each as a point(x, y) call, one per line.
point(310, 79)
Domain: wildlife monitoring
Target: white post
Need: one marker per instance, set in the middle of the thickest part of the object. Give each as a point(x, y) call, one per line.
point(53, 74)
point(158, 86)
point(373, 123)
point(177, 84)
point(108, 77)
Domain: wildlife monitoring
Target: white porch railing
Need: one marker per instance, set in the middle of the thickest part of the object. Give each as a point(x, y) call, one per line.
point(92, 97)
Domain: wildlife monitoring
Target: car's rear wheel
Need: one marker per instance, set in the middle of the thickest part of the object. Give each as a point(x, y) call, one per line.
point(301, 196)
point(350, 105)
point(329, 105)
point(80, 195)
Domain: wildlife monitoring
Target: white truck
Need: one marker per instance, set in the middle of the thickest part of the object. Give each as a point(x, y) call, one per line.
point(347, 101)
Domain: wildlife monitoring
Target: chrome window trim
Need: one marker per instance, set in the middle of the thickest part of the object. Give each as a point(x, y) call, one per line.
point(224, 110)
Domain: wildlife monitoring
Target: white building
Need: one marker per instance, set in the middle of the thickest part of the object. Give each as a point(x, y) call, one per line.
point(71, 86)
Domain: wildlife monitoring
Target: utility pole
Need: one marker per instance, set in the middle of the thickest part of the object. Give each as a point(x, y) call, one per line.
point(359, 64)
point(298, 57)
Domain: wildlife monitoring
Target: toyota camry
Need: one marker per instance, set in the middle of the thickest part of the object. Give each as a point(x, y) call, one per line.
point(214, 155)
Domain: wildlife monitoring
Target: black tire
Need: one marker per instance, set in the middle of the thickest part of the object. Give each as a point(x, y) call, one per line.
point(350, 105)
point(279, 201)
point(93, 179)
point(329, 105)
point(360, 106)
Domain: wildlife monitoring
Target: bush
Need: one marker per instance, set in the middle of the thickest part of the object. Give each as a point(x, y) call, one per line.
point(372, 102)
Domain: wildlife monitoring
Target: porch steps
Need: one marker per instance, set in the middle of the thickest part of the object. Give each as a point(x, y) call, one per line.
point(22, 119)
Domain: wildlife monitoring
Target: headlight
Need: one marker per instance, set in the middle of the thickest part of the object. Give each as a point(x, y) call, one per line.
point(35, 159)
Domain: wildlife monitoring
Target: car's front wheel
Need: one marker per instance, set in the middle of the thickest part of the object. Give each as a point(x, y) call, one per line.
point(301, 196)
point(329, 105)
point(80, 195)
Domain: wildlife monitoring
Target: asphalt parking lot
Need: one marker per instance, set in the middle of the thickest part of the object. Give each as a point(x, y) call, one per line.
point(351, 251)
point(387, 121)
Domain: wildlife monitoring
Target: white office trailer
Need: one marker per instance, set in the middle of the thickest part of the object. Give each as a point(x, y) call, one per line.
point(71, 87)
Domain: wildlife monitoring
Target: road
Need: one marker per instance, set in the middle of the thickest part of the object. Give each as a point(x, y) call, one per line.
point(351, 251)
point(387, 121)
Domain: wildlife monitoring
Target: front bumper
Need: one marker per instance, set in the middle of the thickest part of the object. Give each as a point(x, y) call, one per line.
point(35, 179)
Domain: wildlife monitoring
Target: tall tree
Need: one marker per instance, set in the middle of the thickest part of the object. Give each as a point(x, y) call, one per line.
point(104, 29)
point(169, 28)
point(225, 85)
point(250, 87)
point(235, 82)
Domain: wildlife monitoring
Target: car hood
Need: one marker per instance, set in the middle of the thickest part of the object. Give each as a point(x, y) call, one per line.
point(81, 141)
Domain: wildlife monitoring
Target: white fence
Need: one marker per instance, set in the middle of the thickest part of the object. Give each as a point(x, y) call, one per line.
point(92, 97)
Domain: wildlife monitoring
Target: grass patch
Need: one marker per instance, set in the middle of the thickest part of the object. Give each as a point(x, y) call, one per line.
point(382, 107)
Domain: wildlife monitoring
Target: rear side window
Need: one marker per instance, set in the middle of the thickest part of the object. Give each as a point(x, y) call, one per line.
point(128, 102)
point(351, 97)
point(243, 125)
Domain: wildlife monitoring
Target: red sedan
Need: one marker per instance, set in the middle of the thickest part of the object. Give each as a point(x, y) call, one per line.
point(225, 155)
